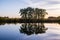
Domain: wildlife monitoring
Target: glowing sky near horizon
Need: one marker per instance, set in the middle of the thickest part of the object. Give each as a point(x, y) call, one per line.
point(11, 7)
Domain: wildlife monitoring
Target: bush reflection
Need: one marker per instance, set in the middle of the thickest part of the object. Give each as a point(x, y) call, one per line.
point(32, 28)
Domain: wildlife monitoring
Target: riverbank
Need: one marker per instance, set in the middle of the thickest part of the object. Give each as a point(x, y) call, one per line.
point(20, 20)
point(28, 20)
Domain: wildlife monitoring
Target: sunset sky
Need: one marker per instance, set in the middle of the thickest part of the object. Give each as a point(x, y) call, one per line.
point(11, 7)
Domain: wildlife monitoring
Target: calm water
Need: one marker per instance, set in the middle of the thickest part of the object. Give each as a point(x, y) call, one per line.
point(30, 31)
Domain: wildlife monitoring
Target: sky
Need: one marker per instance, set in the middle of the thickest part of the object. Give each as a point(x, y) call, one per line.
point(11, 8)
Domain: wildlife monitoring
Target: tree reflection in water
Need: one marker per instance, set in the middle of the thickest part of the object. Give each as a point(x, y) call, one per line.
point(32, 28)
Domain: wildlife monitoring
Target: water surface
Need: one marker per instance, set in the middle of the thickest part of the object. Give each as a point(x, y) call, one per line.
point(30, 31)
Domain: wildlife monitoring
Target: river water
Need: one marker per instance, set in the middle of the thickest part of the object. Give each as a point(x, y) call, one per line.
point(30, 31)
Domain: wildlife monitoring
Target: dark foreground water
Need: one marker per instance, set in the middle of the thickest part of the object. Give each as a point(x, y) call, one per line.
point(30, 31)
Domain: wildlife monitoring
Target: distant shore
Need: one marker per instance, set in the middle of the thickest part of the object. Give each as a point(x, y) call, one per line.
point(29, 21)
point(21, 20)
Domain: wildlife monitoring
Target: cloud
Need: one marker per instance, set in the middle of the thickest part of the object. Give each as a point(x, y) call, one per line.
point(48, 4)
point(55, 0)
point(52, 6)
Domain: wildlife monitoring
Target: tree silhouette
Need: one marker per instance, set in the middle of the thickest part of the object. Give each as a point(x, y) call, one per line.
point(43, 13)
point(34, 13)
point(23, 13)
point(26, 12)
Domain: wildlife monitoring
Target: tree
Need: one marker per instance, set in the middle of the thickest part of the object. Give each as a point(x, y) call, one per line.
point(23, 13)
point(37, 11)
point(28, 12)
point(43, 13)
point(40, 13)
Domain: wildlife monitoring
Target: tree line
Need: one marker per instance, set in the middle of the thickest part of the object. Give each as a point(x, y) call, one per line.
point(19, 20)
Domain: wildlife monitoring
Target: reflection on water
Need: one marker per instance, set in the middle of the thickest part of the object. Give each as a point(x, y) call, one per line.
point(7, 23)
point(2, 23)
point(30, 31)
point(32, 28)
